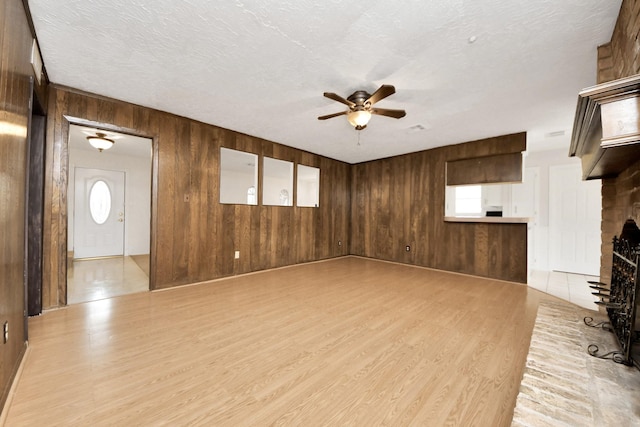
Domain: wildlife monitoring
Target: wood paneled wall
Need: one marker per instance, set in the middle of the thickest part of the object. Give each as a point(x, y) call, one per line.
point(15, 93)
point(194, 240)
point(400, 201)
point(621, 194)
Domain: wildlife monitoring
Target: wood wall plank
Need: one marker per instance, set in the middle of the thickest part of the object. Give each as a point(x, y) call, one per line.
point(15, 94)
point(400, 201)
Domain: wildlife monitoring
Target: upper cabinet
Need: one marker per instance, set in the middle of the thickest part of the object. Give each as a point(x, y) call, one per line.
point(606, 129)
point(499, 168)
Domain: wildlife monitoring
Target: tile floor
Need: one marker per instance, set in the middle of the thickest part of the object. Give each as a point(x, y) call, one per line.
point(95, 279)
point(568, 286)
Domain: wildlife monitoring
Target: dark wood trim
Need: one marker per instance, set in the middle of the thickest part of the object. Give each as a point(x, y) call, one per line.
point(606, 129)
point(35, 199)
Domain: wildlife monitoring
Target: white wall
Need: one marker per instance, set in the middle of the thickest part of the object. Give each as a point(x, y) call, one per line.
point(137, 194)
point(543, 160)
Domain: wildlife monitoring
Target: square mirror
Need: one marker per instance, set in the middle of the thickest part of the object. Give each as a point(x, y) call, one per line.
point(308, 188)
point(277, 182)
point(238, 177)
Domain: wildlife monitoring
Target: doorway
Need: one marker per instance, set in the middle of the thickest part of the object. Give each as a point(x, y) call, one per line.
point(35, 208)
point(109, 210)
point(574, 221)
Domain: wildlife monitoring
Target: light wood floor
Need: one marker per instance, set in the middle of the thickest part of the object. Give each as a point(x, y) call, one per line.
point(348, 341)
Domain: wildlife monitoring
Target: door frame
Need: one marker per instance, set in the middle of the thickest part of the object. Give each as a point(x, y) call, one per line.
point(34, 207)
point(64, 189)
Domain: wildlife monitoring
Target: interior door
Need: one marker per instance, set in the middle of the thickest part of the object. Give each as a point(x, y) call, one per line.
point(574, 221)
point(98, 213)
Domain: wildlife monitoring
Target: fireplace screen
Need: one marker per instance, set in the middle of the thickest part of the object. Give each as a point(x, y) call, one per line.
point(621, 298)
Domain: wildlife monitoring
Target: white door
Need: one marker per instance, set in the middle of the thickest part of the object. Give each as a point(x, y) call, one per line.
point(99, 213)
point(574, 221)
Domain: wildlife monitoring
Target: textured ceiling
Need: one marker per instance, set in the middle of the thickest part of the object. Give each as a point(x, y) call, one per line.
point(260, 67)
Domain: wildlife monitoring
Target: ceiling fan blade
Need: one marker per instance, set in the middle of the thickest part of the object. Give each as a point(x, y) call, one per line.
point(382, 92)
point(339, 99)
point(330, 116)
point(396, 114)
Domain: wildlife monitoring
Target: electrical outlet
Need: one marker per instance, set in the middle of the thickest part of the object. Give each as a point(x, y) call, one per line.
point(407, 248)
point(237, 255)
point(6, 332)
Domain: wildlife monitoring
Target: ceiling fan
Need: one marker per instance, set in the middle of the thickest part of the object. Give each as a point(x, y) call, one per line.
point(360, 105)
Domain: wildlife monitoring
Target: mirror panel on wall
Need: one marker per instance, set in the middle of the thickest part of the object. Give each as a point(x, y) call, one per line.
point(308, 188)
point(238, 177)
point(277, 182)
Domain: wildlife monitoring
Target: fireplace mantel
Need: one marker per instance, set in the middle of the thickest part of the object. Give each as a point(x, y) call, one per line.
point(606, 129)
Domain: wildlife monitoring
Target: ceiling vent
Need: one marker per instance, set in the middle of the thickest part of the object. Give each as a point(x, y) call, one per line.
point(416, 128)
point(554, 134)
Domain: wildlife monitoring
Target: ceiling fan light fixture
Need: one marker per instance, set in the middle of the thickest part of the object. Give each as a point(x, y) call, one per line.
point(359, 118)
point(360, 105)
point(100, 141)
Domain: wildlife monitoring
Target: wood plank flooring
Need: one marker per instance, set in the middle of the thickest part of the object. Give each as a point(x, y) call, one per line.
point(349, 341)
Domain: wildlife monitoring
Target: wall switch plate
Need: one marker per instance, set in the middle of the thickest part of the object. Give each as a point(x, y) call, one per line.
point(237, 255)
point(407, 248)
point(339, 242)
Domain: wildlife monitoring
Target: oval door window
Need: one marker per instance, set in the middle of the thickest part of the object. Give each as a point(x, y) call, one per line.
point(100, 202)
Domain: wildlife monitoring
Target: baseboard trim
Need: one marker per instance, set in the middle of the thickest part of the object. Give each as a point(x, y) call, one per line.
point(14, 383)
point(250, 273)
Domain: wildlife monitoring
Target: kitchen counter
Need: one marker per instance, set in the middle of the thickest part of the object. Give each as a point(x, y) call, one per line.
point(487, 219)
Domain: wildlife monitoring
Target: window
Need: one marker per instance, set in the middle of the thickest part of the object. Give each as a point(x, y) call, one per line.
point(100, 202)
point(251, 196)
point(468, 200)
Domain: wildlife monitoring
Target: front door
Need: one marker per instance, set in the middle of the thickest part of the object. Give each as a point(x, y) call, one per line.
point(98, 213)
